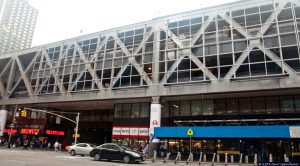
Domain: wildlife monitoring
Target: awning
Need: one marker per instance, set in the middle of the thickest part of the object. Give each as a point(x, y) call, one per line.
point(275, 131)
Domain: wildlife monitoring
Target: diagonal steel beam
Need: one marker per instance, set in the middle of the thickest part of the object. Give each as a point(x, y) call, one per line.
point(132, 60)
point(6, 67)
point(23, 75)
point(200, 32)
point(271, 19)
point(88, 66)
point(76, 80)
point(146, 36)
point(238, 63)
point(171, 34)
point(234, 24)
point(201, 66)
point(277, 60)
point(2, 87)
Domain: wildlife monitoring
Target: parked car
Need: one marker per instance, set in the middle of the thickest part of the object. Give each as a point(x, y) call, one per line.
point(111, 151)
point(81, 149)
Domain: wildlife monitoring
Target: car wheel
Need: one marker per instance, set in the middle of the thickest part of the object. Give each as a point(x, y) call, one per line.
point(73, 153)
point(97, 157)
point(126, 159)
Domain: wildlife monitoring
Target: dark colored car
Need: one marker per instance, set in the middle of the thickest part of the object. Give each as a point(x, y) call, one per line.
point(111, 151)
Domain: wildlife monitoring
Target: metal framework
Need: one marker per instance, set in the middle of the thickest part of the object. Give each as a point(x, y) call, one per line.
point(203, 51)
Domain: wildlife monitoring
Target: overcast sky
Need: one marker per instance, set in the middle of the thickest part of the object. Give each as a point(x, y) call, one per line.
point(63, 19)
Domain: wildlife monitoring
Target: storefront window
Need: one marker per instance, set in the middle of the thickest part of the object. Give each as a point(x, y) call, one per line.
point(118, 111)
point(286, 104)
point(232, 106)
point(185, 108)
point(196, 107)
point(258, 104)
point(297, 103)
point(272, 104)
point(145, 110)
point(245, 105)
point(135, 112)
point(126, 110)
point(220, 107)
point(165, 110)
point(174, 108)
point(208, 107)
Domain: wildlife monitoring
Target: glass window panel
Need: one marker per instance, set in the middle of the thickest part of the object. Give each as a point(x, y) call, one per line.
point(271, 42)
point(185, 108)
point(297, 103)
point(258, 69)
point(272, 104)
point(196, 107)
point(208, 107)
point(126, 110)
point(232, 106)
point(220, 107)
point(245, 105)
point(258, 104)
point(286, 104)
point(135, 113)
point(288, 39)
point(165, 110)
point(118, 111)
point(145, 110)
point(174, 108)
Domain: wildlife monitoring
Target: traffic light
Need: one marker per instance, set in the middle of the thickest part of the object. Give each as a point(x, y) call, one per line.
point(24, 113)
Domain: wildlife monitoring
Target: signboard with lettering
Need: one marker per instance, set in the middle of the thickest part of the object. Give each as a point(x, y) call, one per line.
point(30, 131)
point(54, 132)
point(13, 131)
point(130, 132)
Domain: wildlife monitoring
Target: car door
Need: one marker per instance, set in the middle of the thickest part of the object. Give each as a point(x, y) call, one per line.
point(80, 148)
point(104, 150)
point(115, 152)
point(86, 150)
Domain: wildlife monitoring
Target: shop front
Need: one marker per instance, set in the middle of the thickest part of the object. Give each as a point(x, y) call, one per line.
point(233, 140)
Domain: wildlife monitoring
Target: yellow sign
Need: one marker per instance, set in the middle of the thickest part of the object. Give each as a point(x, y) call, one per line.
point(190, 132)
point(78, 136)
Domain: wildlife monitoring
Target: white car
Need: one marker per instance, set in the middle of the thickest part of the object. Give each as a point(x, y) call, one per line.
point(81, 149)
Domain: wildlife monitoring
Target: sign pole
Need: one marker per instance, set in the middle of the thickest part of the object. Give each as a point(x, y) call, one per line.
point(190, 144)
point(76, 129)
point(11, 126)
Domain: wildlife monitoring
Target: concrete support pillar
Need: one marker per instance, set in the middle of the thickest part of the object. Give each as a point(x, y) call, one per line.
point(3, 117)
point(155, 121)
point(218, 158)
point(246, 159)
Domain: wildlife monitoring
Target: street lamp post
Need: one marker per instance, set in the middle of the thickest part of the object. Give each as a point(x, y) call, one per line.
point(76, 129)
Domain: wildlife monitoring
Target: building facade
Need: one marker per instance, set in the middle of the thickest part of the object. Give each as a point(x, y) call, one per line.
point(225, 69)
point(17, 23)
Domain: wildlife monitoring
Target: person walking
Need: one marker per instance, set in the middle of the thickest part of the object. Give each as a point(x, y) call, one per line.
point(56, 146)
point(26, 142)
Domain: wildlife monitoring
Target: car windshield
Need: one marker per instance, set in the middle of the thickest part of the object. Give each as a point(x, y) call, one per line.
point(92, 145)
point(125, 148)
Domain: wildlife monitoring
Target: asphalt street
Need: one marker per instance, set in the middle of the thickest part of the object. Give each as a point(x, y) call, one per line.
point(20, 157)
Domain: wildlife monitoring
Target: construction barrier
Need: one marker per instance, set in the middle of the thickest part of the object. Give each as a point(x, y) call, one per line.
point(178, 157)
point(190, 158)
point(167, 157)
point(154, 156)
point(200, 158)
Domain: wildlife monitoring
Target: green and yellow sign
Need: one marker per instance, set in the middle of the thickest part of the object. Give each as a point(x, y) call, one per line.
point(190, 132)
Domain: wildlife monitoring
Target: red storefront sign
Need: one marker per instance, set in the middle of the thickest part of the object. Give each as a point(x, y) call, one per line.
point(54, 132)
point(30, 131)
point(13, 131)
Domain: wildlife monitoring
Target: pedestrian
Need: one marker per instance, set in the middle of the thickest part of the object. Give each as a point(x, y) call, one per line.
point(49, 145)
point(26, 144)
point(146, 150)
point(56, 146)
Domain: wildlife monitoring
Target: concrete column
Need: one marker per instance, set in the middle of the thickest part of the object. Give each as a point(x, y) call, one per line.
point(3, 117)
point(155, 121)
point(155, 59)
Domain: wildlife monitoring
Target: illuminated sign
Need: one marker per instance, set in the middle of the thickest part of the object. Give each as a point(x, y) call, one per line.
point(30, 131)
point(13, 131)
point(54, 132)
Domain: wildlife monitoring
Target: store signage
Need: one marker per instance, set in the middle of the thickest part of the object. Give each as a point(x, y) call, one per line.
point(13, 131)
point(190, 132)
point(30, 131)
point(130, 132)
point(3, 116)
point(54, 132)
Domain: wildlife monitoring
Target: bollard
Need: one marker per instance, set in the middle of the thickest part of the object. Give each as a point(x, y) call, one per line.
point(241, 159)
point(286, 158)
point(213, 160)
point(204, 157)
point(226, 159)
point(255, 160)
point(246, 159)
point(231, 158)
point(178, 157)
point(154, 156)
point(167, 157)
point(270, 158)
point(218, 158)
point(190, 158)
point(200, 158)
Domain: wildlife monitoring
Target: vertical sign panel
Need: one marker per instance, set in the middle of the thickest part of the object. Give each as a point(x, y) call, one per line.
point(155, 118)
point(3, 116)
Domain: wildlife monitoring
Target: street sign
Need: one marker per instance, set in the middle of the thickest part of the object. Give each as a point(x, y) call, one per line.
point(190, 132)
